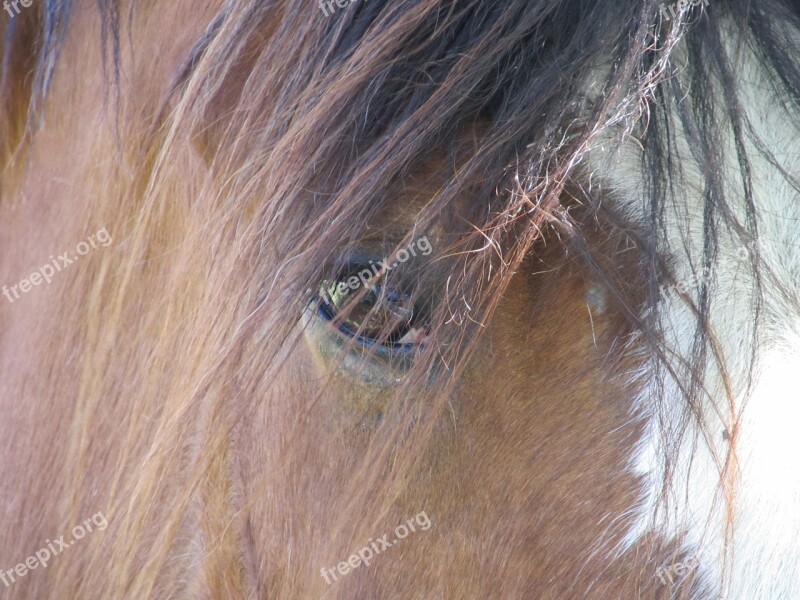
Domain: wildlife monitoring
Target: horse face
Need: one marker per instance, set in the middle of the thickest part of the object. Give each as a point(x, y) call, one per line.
point(511, 470)
point(248, 411)
point(503, 495)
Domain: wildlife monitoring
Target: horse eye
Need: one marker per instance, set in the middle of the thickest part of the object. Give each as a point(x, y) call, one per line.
point(377, 315)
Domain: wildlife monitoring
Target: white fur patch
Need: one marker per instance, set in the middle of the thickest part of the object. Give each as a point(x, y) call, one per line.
point(763, 560)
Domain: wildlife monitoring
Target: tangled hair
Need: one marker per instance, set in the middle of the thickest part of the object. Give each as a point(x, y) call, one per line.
point(308, 125)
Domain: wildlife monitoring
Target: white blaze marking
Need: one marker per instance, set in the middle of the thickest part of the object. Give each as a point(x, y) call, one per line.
point(764, 560)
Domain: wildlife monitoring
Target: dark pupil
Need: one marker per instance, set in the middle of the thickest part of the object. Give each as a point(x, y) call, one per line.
point(379, 311)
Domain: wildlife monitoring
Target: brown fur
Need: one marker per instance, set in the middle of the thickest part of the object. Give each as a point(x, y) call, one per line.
point(136, 382)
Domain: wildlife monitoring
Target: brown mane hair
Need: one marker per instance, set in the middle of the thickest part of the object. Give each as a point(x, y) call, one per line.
point(239, 181)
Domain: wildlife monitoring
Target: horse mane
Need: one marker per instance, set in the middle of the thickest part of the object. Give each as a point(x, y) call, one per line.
point(306, 123)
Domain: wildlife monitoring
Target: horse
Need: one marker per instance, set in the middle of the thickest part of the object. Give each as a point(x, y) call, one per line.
point(420, 299)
